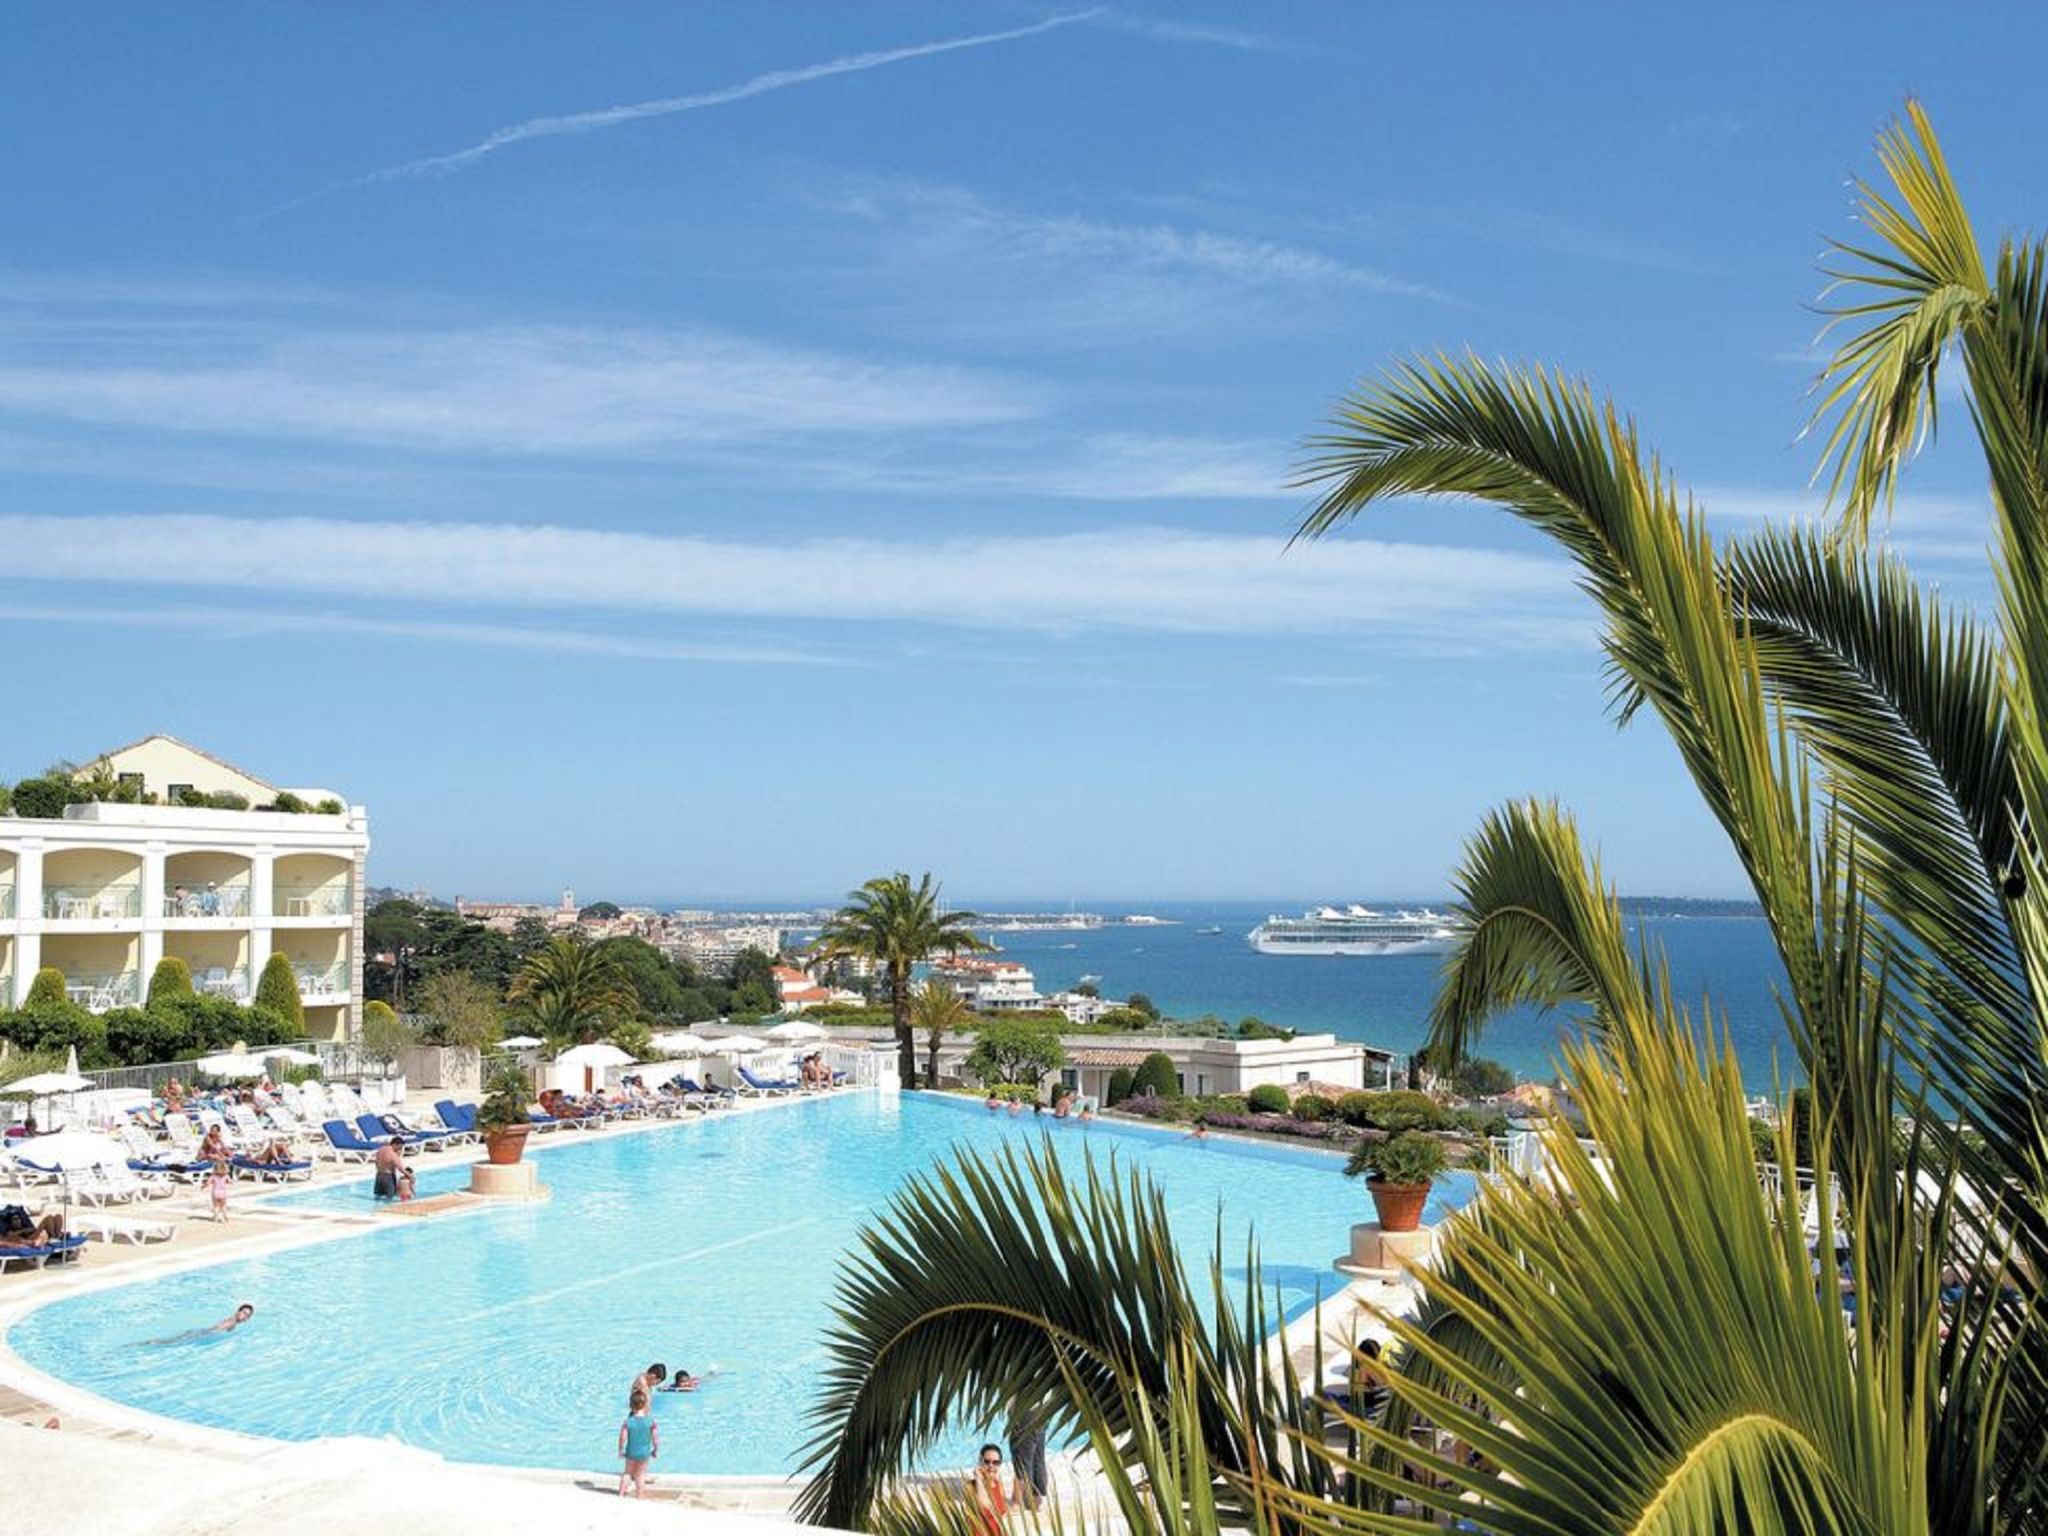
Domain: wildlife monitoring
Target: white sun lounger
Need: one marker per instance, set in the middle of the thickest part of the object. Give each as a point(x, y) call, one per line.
point(111, 1226)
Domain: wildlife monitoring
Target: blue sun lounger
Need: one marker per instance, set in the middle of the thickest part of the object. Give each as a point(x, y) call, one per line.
point(767, 1084)
point(379, 1132)
point(457, 1117)
point(348, 1142)
point(36, 1255)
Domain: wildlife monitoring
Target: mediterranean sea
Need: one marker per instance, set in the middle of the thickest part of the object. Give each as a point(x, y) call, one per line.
point(1384, 1000)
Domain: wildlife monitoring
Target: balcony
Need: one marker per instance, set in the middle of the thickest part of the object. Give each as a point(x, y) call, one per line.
point(322, 983)
point(229, 981)
point(6, 901)
point(208, 901)
point(99, 993)
point(313, 901)
point(100, 903)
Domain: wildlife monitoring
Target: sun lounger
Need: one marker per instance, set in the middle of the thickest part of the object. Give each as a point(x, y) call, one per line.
point(767, 1087)
point(273, 1173)
point(109, 1227)
point(460, 1118)
point(346, 1143)
point(36, 1255)
point(430, 1136)
point(715, 1096)
point(378, 1133)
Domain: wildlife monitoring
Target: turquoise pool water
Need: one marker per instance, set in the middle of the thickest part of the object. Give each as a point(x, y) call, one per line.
point(510, 1335)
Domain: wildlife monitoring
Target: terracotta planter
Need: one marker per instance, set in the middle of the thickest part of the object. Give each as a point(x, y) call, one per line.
point(507, 1145)
point(1399, 1205)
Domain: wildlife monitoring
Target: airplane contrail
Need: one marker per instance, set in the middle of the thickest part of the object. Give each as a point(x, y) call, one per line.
point(667, 106)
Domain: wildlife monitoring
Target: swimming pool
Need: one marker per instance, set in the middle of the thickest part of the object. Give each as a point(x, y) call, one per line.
point(509, 1335)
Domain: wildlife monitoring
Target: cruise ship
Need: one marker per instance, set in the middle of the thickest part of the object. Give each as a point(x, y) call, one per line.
point(1355, 930)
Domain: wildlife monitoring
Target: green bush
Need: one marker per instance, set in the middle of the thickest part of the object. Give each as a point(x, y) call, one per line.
point(1267, 1099)
point(46, 797)
point(1313, 1106)
point(278, 990)
point(384, 1034)
point(57, 1027)
point(1477, 1122)
point(507, 1092)
point(1477, 1077)
point(46, 987)
point(172, 978)
point(1400, 1110)
point(1413, 1157)
point(1226, 1104)
point(1119, 1087)
point(1019, 1093)
point(288, 802)
point(330, 807)
point(1123, 1021)
point(1155, 1076)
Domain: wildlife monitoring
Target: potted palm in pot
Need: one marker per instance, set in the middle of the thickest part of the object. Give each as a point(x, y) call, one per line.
point(1397, 1173)
point(503, 1117)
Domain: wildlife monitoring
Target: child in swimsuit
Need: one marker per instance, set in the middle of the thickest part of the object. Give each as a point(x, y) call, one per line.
point(217, 1188)
point(639, 1443)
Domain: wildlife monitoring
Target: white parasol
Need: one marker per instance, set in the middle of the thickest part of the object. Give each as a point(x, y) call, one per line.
point(793, 1030)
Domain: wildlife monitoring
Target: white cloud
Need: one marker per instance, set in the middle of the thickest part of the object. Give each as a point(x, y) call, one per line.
point(954, 222)
point(1152, 579)
point(512, 390)
point(668, 106)
point(239, 623)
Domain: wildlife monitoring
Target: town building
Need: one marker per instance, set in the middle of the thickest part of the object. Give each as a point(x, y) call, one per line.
point(110, 888)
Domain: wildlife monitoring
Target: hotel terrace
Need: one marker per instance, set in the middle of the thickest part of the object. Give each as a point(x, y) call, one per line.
point(108, 890)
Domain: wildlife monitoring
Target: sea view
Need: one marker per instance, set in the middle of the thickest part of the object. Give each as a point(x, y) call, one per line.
point(1383, 1000)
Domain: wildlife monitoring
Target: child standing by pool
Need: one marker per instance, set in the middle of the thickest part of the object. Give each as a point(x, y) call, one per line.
point(639, 1443)
point(217, 1187)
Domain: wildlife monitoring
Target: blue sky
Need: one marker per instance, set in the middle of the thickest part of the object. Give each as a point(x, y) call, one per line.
point(726, 451)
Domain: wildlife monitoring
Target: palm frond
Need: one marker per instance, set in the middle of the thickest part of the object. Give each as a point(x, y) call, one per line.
point(1535, 927)
point(1908, 299)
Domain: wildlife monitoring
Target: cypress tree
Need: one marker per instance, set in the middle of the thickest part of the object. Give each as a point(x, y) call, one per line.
point(278, 990)
point(171, 980)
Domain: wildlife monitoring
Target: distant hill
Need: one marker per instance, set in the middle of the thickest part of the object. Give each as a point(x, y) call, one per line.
point(1687, 906)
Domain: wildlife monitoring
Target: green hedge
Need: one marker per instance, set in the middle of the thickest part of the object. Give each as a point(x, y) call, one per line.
point(1119, 1088)
point(1267, 1099)
point(1156, 1077)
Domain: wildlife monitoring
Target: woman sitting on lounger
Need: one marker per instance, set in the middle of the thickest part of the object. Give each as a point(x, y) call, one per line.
point(23, 1230)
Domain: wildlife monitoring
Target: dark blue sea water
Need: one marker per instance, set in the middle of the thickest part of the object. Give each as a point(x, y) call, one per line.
point(1385, 1000)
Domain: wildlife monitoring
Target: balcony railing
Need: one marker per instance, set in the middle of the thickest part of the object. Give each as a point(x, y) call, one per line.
point(207, 901)
point(90, 903)
point(312, 901)
point(222, 981)
point(99, 993)
point(6, 901)
point(317, 982)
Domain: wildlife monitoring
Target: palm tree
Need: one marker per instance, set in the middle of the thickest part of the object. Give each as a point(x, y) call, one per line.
point(936, 1010)
point(570, 989)
point(1641, 1344)
point(895, 925)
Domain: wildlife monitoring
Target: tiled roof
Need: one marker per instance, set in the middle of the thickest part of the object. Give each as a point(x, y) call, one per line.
point(1104, 1056)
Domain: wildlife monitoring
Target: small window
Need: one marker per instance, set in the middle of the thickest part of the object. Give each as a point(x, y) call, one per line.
point(1301, 1077)
point(1201, 1085)
point(1070, 1078)
point(131, 780)
point(1180, 1080)
point(177, 793)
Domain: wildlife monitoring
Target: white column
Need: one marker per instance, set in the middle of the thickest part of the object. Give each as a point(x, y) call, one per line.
point(28, 959)
point(28, 915)
point(262, 901)
point(152, 948)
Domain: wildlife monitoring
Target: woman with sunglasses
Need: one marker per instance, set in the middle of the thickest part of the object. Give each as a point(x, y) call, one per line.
point(991, 1498)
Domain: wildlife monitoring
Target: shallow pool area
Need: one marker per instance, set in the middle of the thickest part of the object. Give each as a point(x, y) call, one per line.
point(509, 1334)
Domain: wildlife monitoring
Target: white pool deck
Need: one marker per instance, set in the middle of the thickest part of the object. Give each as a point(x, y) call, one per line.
point(116, 1469)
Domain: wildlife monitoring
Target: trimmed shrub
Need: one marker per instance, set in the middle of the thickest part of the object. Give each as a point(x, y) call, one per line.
point(1400, 1110)
point(385, 1035)
point(1313, 1106)
point(1226, 1104)
point(1119, 1088)
point(46, 988)
point(172, 978)
point(330, 807)
point(1267, 1099)
point(1123, 1020)
point(1156, 1077)
point(278, 990)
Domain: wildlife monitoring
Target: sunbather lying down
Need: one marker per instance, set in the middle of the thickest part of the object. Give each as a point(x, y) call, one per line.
point(17, 1226)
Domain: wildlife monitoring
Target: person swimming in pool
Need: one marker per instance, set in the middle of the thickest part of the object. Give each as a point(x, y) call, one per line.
point(228, 1324)
point(682, 1381)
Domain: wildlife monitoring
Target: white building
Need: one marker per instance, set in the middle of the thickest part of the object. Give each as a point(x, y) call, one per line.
point(108, 890)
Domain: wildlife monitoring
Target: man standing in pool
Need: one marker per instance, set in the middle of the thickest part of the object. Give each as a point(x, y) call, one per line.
point(228, 1324)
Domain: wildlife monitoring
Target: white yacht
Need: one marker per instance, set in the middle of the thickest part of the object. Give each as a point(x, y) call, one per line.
point(1355, 930)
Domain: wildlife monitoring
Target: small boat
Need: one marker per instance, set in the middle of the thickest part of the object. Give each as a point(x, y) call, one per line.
point(1206, 932)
